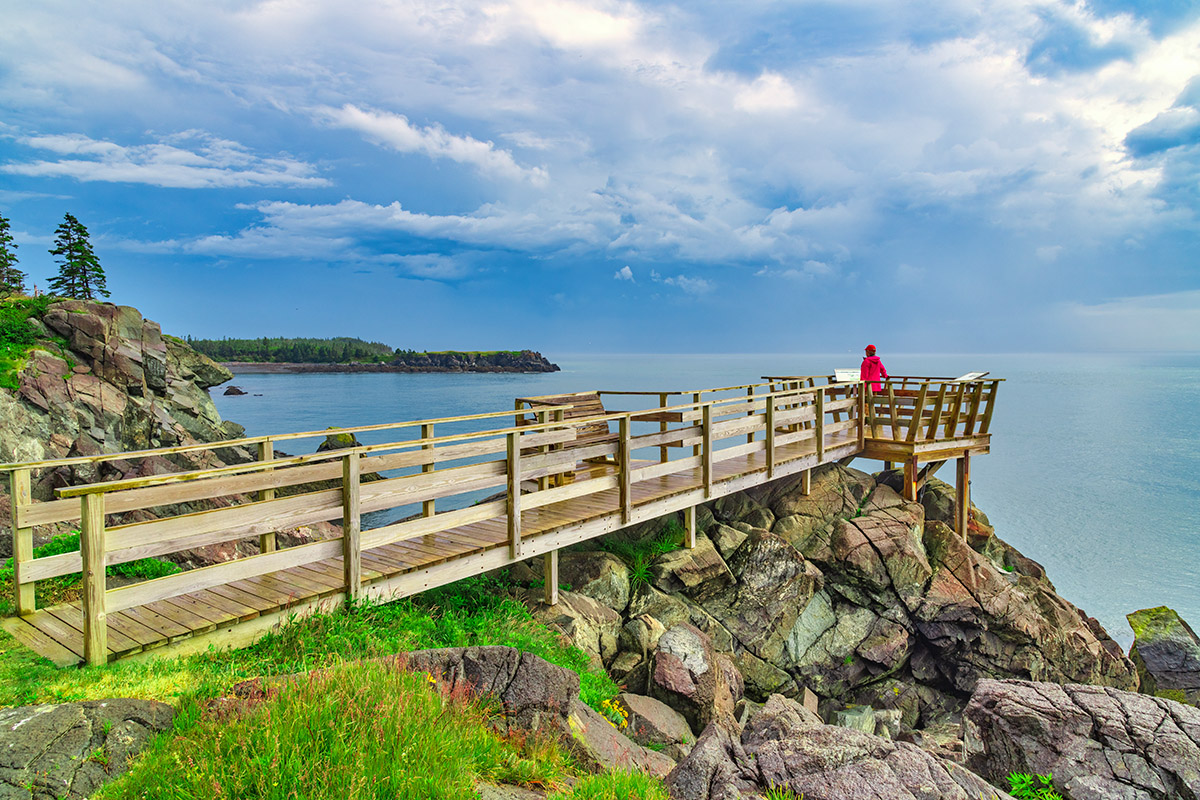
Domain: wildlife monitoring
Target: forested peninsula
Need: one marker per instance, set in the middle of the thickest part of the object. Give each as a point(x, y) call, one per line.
point(348, 354)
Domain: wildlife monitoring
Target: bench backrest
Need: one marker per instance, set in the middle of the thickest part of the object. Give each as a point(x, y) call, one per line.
point(583, 405)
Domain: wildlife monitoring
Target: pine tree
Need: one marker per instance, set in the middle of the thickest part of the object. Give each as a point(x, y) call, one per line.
point(79, 272)
point(12, 280)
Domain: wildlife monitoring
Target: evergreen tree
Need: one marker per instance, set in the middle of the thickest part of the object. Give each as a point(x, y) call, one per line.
point(79, 272)
point(12, 280)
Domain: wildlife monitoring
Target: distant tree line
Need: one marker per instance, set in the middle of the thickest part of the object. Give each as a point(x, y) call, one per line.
point(338, 350)
point(80, 275)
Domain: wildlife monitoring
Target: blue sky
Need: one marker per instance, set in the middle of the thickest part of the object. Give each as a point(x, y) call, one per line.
point(566, 175)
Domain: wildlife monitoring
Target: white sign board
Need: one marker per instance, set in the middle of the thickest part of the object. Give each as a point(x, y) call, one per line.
point(970, 376)
point(845, 376)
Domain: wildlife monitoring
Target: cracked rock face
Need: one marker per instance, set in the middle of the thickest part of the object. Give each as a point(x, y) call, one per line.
point(784, 746)
point(1099, 743)
point(70, 750)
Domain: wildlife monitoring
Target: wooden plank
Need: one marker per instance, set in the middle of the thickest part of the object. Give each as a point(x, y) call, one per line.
point(20, 497)
point(197, 609)
point(351, 528)
point(671, 467)
point(37, 640)
point(129, 625)
point(559, 494)
point(180, 616)
point(204, 577)
point(91, 544)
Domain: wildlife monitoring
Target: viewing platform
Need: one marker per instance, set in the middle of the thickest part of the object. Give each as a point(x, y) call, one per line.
point(476, 493)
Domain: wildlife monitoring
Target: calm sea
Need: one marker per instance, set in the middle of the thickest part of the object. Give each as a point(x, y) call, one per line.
point(1094, 469)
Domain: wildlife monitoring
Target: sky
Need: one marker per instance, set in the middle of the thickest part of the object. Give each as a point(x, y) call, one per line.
point(575, 176)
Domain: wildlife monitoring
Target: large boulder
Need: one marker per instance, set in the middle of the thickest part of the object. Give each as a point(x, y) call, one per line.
point(691, 677)
point(71, 750)
point(786, 747)
point(534, 694)
point(697, 572)
point(599, 745)
point(652, 723)
point(590, 626)
point(1166, 652)
point(1099, 743)
point(599, 575)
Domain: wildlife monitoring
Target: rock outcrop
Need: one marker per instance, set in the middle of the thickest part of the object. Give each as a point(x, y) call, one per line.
point(103, 379)
point(70, 750)
point(1099, 743)
point(786, 747)
point(1166, 652)
point(851, 592)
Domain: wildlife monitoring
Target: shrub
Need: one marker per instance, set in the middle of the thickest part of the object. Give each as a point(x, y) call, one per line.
point(1032, 787)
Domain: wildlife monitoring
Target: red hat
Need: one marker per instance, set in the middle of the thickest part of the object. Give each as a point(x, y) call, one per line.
point(870, 348)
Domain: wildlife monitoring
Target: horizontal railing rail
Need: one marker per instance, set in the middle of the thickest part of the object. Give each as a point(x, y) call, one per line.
point(444, 476)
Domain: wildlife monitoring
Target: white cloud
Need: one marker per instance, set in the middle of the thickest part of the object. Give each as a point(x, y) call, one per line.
point(190, 160)
point(396, 132)
point(769, 92)
point(1149, 322)
point(624, 274)
point(690, 285)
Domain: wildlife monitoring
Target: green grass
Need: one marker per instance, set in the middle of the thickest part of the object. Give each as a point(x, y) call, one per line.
point(1032, 787)
point(360, 730)
point(475, 611)
point(614, 785)
point(639, 555)
point(17, 337)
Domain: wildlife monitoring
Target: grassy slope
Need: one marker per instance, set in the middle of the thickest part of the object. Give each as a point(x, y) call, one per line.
point(205, 752)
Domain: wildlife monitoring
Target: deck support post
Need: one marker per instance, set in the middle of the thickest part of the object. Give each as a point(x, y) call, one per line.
point(514, 495)
point(771, 437)
point(962, 494)
point(427, 507)
point(910, 480)
point(351, 527)
point(689, 527)
point(887, 465)
point(707, 427)
point(550, 573)
point(806, 482)
point(266, 541)
point(91, 546)
point(820, 424)
point(20, 494)
point(625, 470)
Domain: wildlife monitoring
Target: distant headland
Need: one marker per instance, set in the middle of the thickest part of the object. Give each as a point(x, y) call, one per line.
point(347, 354)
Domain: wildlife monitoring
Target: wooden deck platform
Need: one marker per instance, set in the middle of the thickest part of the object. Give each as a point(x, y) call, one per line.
point(785, 431)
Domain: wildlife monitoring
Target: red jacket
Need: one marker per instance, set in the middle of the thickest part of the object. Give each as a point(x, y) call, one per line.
point(871, 371)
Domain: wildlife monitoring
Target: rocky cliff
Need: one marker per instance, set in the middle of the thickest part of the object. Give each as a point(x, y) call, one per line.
point(849, 592)
point(103, 379)
point(450, 361)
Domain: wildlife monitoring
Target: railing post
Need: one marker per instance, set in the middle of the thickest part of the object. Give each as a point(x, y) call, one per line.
point(986, 424)
point(514, 495)
point(351, 527)
point(560, 478)
point(820, 424)
point(663, 451)
point(976, 395)
point(91, 547)
point(427, 507)
point(550, 573)
point(962, 494)
point(708, 449)
point(266, 452)
point(21, 495)
point(750, 413)
point(624, 467)
point(935, 418)
point(543, 417)
point(895, 412)
point(689, 527)
point(862, 415)
point(770, 437)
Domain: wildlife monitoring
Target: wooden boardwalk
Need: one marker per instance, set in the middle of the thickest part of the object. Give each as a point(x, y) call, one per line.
point(566, 478)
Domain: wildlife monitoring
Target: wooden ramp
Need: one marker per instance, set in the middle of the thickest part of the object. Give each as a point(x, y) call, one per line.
point(559, 489)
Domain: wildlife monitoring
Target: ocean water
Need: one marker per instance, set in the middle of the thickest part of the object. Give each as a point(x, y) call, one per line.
point(1094, 469)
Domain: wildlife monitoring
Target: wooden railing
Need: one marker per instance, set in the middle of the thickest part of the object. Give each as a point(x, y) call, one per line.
point(442, 478)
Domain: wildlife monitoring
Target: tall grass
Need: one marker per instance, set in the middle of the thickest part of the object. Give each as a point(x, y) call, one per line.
point(360, 730)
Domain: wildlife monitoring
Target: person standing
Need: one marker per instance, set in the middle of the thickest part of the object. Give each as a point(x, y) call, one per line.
point(872, 370)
